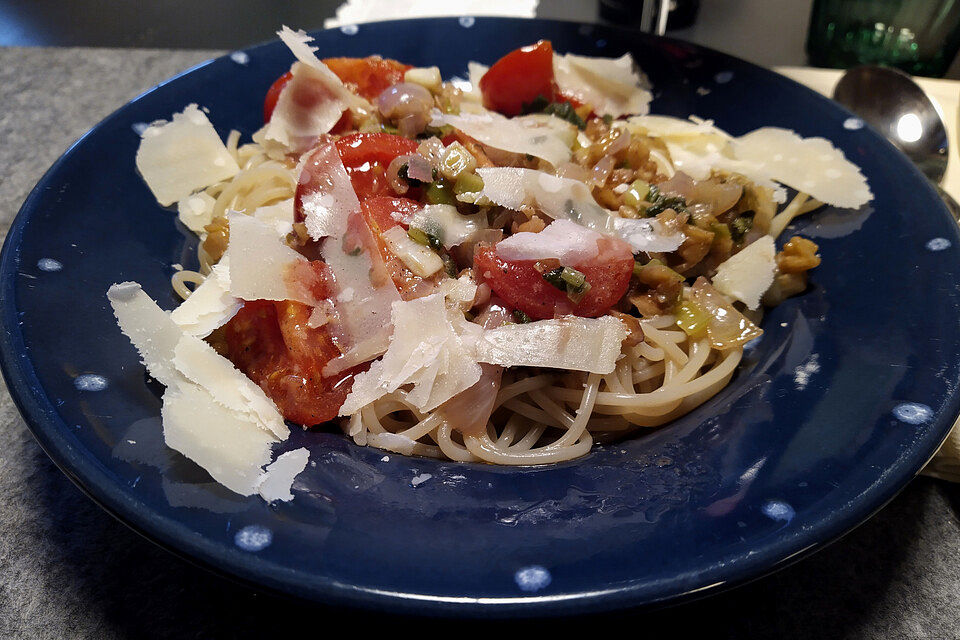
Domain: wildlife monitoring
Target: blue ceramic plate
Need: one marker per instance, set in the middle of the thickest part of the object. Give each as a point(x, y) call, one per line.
point(849, 392)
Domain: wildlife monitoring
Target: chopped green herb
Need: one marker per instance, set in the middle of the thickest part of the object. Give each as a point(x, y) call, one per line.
point(555, 277)
point(468, 183)
point(572, 277)
point(661, 202)
point(741, 225)
point(636, 193)
point(607, 119)
point(520, 317)
point(449, 265)
point(355, 252)
point(570, 280)
point(418, 236)
point(440, 192)
point(637, 268)
point(576, 294)
point(562, 110)
point(692, 319)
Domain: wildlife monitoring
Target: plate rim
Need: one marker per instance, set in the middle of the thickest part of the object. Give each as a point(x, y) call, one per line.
point(42, 420)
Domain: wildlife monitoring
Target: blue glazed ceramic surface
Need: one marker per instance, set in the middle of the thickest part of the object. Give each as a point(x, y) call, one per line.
point(844, 398)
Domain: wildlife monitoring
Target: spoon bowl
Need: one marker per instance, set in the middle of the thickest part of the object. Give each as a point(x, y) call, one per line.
point(893, 104)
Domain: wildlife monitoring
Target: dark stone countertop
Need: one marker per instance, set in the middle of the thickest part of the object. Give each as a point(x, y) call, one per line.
point(67, 569)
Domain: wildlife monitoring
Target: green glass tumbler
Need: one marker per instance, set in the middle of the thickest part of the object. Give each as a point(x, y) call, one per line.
point(920, 37)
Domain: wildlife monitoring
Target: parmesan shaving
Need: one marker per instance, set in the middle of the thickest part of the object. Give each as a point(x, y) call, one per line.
point(328, 196)
point(199, 363)
point(565, 198)
point(563, 240)
point(809, 165)
point(573, 343)
point(746, 276)
point(210, 306)
point(431, 350)
point(260, 262)
point(182, 156)
point(196, 212)
point(278, 477)
point(278, 215)
point(149, 328)
point(447, 225)
point(612, 86)
point(231, 447)
point(506, 134)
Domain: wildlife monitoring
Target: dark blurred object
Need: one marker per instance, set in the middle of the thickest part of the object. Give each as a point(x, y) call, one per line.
point(920, 37)
point(682, 13)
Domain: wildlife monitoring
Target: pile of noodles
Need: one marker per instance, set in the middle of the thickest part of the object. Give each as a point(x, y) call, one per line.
point(540, 416)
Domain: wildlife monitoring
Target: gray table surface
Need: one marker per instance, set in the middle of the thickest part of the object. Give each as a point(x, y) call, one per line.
point(69, 570)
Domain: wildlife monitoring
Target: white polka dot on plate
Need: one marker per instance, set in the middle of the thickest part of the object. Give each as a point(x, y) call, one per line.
point(49, 265)
point(853, 124)
point(240, 57)
point(139, 127)
point(912, 413)
point(253, 538)
point(778, 510)
point(349, 29)
point(90, 382)
point(938, 244)
point(467, 21)
point(532, 578)
point(723, 77)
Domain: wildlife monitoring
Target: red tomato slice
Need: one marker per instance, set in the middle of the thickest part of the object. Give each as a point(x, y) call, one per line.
point(273, 94)
point(368, 77)
point(366, 157)
point(518, 78)
point(524, 288)
point(272, 344)
point(378, 213)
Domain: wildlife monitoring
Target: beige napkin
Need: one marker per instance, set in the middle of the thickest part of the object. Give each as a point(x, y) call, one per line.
point(945, 463)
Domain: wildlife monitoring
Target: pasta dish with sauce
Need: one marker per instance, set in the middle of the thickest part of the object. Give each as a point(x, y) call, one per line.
point(503, 269)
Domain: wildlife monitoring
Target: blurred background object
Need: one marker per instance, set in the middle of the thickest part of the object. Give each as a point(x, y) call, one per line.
point(920, 37)
point(767, 32)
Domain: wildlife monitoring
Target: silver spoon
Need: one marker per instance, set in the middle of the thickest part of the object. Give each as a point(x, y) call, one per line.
point(893, 104)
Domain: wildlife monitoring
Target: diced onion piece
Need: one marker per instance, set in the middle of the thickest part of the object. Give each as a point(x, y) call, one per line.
point(418, 258)
point(570, 342)
point(275, 482)
point(427, 77)
point(431, 349)
point(211, 304)
point(728, 328)
point(746, 276)
point(809, 165)
point(475, 71)
point(563, 240)
point(231, 447)
point(506, 134)
point(447, 225)
point(196, 212)
point(611, 86)
point(182, 156)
